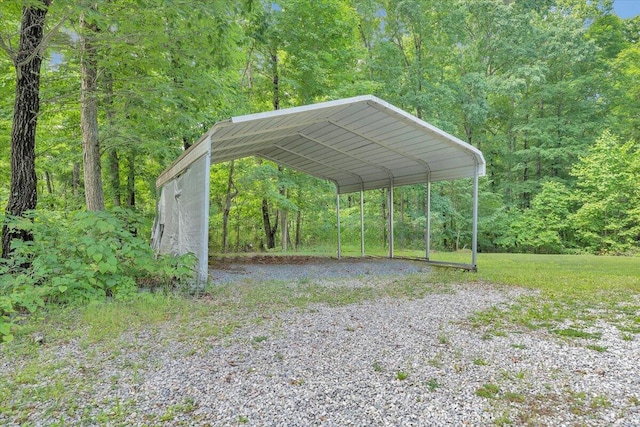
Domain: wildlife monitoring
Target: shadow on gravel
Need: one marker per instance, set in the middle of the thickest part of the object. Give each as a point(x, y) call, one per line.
point(306, 268)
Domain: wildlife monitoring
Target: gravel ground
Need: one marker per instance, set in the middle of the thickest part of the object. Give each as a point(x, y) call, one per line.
point(390, 362)
point(324, 271)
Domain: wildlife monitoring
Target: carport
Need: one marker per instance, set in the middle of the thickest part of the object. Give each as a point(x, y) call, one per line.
point(361, 143)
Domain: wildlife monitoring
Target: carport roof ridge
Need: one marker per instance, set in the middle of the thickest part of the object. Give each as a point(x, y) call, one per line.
point(359, 143)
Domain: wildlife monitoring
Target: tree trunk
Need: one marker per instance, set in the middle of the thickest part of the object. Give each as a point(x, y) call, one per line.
point(23, 191)
point(131, 179)
point(114, 176)
point(114, 160)
point(75, 179)
point(49, 182)
point(93, 192)
point(275, 80)
point(284, 224)
point(384, 218)
point(284, 221)
point(298, 228)
point(231, 193)
point(270, 232)
point(247, 246)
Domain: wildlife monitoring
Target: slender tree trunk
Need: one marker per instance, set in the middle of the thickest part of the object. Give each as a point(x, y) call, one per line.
point(231, 193)
point(23, 194)
point(247, 246)
point(131, 179)
point(49, 182)
point(75, 179)
point(270, 232)
point(298, 228)
point(384, 218)
point(284, 224)
point(275, 80)
point(114, 176)
point(93, 191)
point(402, 207)
point(114, 160)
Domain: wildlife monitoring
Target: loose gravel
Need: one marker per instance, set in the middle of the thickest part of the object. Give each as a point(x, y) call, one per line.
point(389, 362)
point(322, 271)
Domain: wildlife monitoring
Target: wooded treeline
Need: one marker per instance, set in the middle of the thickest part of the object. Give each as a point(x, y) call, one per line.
point(549, 90)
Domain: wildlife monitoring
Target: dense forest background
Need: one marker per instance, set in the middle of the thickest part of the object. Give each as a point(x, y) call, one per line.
point(549, 90)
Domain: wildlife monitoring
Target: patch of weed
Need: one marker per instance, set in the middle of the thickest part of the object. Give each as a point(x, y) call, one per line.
point(503, 420)
point(599, 402)
point(433, 384)
point(480, 362)
point(443, 338)
point(514, 397)
point(402, 375)
point(576, 333)
point(488, 391)
point(627, 337)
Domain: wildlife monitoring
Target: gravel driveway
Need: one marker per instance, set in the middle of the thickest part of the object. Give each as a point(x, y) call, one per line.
point(389, 362)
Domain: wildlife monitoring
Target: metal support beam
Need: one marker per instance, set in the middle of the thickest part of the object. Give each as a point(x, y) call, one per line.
point(474, 241)
point(338, 221)
point(427, 228)
point(203, 270)
point(391, 219)
point(362, 220)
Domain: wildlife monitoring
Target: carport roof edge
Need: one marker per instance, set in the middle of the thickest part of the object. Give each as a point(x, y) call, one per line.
point(358, 143)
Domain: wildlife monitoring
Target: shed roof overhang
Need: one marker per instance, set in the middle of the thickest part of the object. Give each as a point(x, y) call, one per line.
point(360, 143)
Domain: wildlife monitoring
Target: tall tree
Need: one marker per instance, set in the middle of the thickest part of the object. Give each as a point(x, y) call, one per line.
point(93, 191)
point(27, 61)
point(608, 220)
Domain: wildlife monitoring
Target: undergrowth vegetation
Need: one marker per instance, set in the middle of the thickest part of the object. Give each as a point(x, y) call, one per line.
point(79, 258)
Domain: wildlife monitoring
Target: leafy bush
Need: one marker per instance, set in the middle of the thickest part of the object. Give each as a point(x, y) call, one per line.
point(543, 228)
point(81, 257)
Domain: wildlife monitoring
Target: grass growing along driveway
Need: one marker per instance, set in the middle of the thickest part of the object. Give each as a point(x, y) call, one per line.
point(579, 289)
point(571, 294)
point(576, 288)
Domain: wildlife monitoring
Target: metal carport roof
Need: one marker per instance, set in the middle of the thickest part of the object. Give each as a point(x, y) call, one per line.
point(359, 143)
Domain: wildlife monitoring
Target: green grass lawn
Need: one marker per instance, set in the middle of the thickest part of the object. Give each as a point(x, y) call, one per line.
point(574, 288)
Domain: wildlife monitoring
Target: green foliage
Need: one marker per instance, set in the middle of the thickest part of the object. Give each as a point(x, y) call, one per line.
point(78, 258)
point(543, 228)
point(608, 220)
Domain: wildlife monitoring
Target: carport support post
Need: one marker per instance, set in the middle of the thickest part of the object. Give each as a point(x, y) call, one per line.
point(204, 251)
point(427, 229)
point(474, 239)
point(362, 220)
point(391, 219)
point(338, 221)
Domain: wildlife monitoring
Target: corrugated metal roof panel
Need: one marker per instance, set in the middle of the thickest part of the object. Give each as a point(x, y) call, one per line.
point(354, 142)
